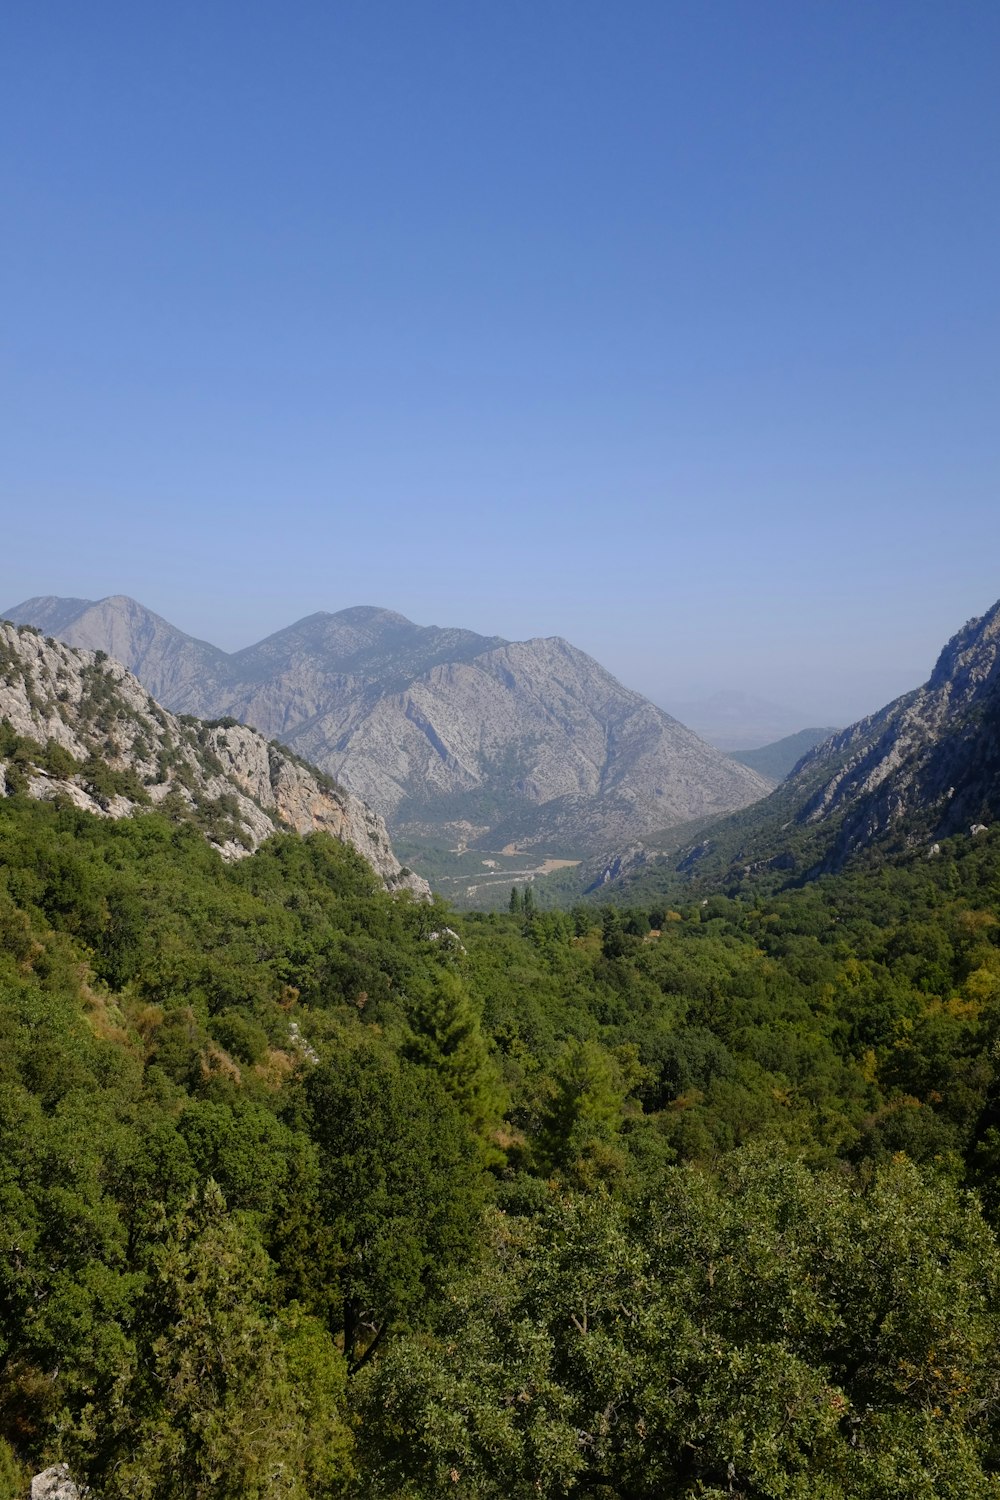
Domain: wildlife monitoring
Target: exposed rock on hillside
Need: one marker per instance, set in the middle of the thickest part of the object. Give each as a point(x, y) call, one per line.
point(79, 727)
point(933, 754)
point(55, 1483)
point(922, 768)
point(528, 740)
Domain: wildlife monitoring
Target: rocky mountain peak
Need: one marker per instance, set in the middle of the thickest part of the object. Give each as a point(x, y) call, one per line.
point(925, 767)
point(968, 664)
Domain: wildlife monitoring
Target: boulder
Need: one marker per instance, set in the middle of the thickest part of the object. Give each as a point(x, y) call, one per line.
point(55, 1483)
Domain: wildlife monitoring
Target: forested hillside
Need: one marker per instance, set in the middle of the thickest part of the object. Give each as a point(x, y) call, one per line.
point(778, 760)
point(309, 1190)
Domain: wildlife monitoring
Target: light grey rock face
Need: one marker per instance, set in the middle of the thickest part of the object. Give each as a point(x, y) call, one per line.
point(434, 727)
point(934, 752)
point(926, 766)
point(242, 788)
point(55, 1484)
point(923, 768)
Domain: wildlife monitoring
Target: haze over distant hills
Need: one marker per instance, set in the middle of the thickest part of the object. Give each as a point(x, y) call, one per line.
point(734, 720)
point(446, 732)
point(778, 760)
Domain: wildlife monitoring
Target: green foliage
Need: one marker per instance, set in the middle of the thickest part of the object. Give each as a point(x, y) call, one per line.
point(206, 1406)
point(399, 1188)
point(302, 1192)
point(447, 1038)
point(103, 781)
point(774, 1334)
point(14, 1478)
point(583, 1114)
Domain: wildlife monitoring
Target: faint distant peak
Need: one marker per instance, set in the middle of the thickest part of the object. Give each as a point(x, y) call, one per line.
point(778, 760)
point(47, 612)
point(367, 614)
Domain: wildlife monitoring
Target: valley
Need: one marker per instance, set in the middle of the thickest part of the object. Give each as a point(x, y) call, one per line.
point(499, 807)
point(481, 879)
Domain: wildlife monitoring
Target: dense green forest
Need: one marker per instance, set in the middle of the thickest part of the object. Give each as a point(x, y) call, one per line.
point(312, 1191)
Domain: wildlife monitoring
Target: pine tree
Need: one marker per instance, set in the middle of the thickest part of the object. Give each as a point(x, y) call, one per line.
point(447, 1037)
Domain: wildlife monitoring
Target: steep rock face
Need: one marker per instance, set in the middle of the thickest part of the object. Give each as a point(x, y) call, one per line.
point(924, 767)
point(98, 740)
point(934, 752)
point(437, 727)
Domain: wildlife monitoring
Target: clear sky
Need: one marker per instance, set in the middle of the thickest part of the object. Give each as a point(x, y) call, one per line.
point(670, 328)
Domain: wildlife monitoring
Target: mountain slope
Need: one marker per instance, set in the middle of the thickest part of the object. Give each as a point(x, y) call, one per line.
point(446, 732)
point(930, 760)
point(181, 672)
point(76, 726)
point(923, 768)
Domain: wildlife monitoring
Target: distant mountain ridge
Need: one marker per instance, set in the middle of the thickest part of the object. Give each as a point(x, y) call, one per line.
point(778, 760)
point(77, 727)
point(446, 732)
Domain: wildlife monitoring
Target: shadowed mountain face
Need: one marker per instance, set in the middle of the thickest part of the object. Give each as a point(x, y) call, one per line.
point(447, 733)
point(924, 767)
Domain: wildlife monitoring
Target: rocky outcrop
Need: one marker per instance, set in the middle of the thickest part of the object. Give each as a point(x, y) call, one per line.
point(931, 757)
point(55, 1483)
point(80, 728)
point(290, 790)
point(436, 727)
point(621, 866)
point(923, 768)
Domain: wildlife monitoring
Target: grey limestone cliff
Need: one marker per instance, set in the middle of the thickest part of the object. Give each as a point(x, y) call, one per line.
point(92, 735)
point(923, 768)
point(932, 756)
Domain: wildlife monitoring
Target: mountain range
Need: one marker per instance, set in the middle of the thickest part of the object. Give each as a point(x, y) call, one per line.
point(450, 735)
point(78, 728)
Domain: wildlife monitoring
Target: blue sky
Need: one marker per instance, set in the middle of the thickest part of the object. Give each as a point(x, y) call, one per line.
point(670, 328)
